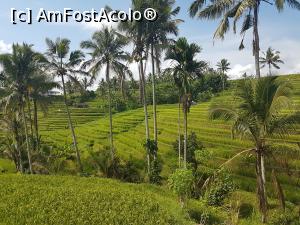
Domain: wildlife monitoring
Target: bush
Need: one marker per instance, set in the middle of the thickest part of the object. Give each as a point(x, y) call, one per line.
point(204, 96)
point(155, 170)
point(130, 172)
point(181, 182)
point(283, 218)
point(219, 190)
point(194, 145)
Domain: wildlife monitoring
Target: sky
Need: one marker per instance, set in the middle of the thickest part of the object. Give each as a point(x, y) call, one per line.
point(281, 31)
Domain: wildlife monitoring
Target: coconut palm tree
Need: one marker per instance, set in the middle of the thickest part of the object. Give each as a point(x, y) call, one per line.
point(271, 58)
point(39, 86)
point(248, 10)
point(258, 116)
point(157, 40)
point(19, 67)
point(106, 48)
point(223, 67)
point(62, 63)
point(185, 68)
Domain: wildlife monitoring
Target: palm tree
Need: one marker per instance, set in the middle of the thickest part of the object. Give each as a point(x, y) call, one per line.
point(258, 116)
point(157, 39)
point(19, 67)
point(223, 67)
point(136, 32)
point(271, 58)
point(39, 86)
point(62, 62)
point(185, 68)
point(235, 10)
point(106, 48)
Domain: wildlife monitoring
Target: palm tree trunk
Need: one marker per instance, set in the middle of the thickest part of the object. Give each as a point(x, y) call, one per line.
point(157, 61)
point(154, 95)
point(256, 40)
point(185, 136)
point(263, 175)
point(26, 137)
point(179, 135)
point(16, 137)
point(71, 126)
point(110, 113)
point(30, 118)
point(261, 194)
point(223, 80)
point(270, 70)
point(123, 88)
point(36, 125)
point(145, 109)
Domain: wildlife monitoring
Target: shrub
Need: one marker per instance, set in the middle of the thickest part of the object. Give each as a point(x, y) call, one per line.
point(204, 96)
point(219, 190)
point(194, 144)
point(283, 218)
point(130, 172)
point(181, 182)
point(155, 170)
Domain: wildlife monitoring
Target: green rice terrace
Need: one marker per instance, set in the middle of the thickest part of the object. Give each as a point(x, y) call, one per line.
point(69, 197)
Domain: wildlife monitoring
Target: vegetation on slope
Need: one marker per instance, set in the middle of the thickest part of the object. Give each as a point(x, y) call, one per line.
point(74, 200)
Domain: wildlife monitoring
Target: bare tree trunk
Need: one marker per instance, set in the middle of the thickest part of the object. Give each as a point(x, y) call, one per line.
point(145, 109)
point(154, 95)
point(256, 47)
point(71, 126)
point(27, 138)
point(185, 136)
point(261, 194)
point(179, 135)
point(36, 126)
point(110, 113)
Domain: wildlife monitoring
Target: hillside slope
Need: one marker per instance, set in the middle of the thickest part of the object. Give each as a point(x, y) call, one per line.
point(129, 136)
point(129, 133)
point(75, 200)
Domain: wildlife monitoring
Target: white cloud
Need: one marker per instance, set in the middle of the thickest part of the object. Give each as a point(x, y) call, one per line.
point(238, 70)
point(5, 48)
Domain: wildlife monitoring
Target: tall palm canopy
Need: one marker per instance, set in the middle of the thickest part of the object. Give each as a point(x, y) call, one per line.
point(258, 116)
point(61, 62)
point(185, 68)
point(271, 58)
point(247, 10)
point(223, 67)
point(106, 49)
point(158, 39)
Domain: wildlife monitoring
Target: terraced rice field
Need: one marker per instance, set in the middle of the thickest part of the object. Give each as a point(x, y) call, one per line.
point(129, 133)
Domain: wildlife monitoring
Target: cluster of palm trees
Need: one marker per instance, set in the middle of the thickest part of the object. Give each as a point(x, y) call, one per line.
point(25, 83)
